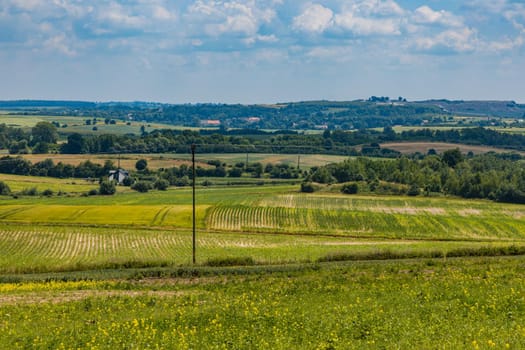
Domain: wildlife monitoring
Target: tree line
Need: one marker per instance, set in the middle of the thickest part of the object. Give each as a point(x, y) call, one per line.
point(488, 176)
point(43, 138)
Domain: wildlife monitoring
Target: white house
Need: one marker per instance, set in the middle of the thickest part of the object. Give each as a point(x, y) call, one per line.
point(118, 175)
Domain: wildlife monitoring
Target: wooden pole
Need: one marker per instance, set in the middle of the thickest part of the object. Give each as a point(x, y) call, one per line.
point(193, 192)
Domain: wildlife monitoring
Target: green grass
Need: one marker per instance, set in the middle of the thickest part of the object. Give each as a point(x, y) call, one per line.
point(32, 248)
point(457, 304)
point(269, 224)
point(18, 183)
point(281, 209)
point(78, 124)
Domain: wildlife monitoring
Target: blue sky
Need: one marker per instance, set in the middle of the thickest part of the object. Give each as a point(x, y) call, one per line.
point(261, 51)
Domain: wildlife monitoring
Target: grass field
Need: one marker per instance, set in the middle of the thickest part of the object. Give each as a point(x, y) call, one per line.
point(269, 224)
point(115, 272)
point(18, 183)
point(423, 147)
point(457, 304)
point(78, 124)
point(169, 160)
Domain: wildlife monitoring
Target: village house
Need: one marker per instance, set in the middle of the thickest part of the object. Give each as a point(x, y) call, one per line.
point(118, 175)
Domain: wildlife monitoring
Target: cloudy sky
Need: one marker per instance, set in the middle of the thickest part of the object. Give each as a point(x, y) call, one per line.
point(261, 51)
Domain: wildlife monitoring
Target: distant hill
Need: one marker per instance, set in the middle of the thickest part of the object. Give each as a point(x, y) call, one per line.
point(307, 115)
point(504, 109)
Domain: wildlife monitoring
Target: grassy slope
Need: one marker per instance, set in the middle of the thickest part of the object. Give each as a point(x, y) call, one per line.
point(169, 160)
point(464, 303)
point(18, 183)
point(270, 224)
point(423, 147)
point(282, 209)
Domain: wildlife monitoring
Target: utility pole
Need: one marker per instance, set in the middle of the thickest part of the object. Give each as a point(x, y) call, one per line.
point(193, 190)
point(246, 165)
point(299, 162)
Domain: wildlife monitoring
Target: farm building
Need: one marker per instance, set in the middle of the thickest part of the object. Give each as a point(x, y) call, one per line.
point(118, 175)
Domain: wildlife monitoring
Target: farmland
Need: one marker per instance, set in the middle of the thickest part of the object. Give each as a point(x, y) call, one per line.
point(156, 161)
point(440, 147)
point(70, 124)
point(464, 303)
point(115, 271)
point(269, 224)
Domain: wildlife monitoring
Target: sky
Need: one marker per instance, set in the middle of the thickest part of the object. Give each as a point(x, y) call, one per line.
point(261, 51)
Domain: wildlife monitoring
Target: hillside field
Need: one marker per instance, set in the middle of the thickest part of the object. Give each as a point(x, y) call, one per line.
point(455, 304)
point(276, 269)
point(78, 124)
point(169, 160)
point(269, 224)
point(440, 147)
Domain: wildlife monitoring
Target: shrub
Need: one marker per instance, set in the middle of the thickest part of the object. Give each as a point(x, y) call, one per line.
point(141, 164)
point(4, 188)
point(351, 188)
point(47, 192)
point(107, 188)
point(231, 261)
point(307, 187)
point(161, 184)
point(29, 191)
point(92, 192)
point(142, 186)
point(128, 181)
point(413, 190)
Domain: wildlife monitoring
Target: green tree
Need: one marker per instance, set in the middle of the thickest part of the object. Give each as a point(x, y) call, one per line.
point(4, 188)
point(107, 188)
point(161, 184)
point(44, 132)
point(41, 148)
point(141, 164)
point(142, 186)
point(76, 144)
point(452, 157)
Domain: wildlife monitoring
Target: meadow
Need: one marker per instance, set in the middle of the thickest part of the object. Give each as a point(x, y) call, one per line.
point(266, 224)
point(156, 161)
point(440, 147)
point(276, 269)
point(458, 304)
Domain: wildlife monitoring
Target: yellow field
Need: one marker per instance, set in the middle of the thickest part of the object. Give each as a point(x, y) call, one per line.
point(136, 215)
point(423, 147)
point(18, 183)
point(127, 161)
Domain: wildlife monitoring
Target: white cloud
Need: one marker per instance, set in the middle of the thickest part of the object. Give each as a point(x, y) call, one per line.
point(27, 5)
point(459, 40)
point(118, 15)
point(385, 8)
point(58, 43)
point(368, 26)
point(161, 13)
point(425, 15)
point(235, 22)
point(315, 18)
point(337, 53)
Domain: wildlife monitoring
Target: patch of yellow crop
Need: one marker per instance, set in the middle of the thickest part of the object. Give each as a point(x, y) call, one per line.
point(156, 215)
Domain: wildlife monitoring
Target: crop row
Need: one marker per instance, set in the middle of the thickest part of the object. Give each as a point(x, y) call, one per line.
point(386, 223)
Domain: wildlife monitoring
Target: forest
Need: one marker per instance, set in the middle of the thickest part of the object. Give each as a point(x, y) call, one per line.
point(488, 176)
point(373, 112)
point(44, 137)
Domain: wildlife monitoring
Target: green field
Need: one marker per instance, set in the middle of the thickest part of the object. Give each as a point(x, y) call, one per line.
point(168, 160)
point(78, 124)
point(457, 304)
point(269, 224)
point(276, 269)
point(74, 186)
